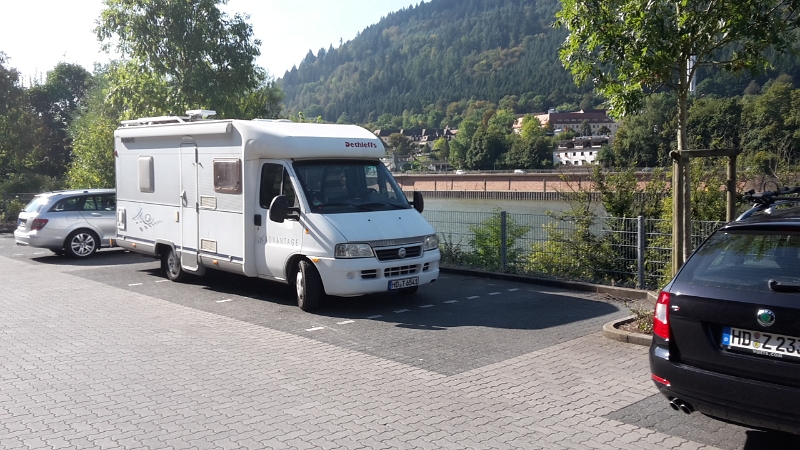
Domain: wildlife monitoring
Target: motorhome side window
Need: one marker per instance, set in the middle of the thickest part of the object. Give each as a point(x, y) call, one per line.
point(146, 174)
point(275, 181)
point(228, 176)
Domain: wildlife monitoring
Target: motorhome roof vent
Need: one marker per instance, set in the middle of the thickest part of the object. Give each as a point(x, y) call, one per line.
point(200, 113)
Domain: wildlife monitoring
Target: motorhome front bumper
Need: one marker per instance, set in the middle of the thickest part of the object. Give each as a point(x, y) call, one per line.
point(348, 277)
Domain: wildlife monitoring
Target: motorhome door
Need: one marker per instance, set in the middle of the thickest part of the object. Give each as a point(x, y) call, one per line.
point(189, 205)
point(275, 242)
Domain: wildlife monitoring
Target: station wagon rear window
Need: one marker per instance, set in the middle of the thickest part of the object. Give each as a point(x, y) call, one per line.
point(745, 260)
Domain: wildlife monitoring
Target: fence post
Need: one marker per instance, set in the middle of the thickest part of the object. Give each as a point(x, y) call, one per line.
point(503, 249)
point(640, 243)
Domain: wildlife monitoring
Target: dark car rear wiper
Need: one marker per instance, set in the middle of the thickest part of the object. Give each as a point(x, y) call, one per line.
point(783, 287)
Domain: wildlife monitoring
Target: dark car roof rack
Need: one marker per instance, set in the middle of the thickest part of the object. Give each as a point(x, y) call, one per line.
point(766, 201)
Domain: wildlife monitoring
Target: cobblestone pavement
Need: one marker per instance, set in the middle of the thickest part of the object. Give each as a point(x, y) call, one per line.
point(84, 364)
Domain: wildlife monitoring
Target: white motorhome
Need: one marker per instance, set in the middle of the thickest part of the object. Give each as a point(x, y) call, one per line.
point(309, 204)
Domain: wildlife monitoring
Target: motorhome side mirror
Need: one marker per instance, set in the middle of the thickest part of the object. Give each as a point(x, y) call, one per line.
point(278, 209)
point(419, 203)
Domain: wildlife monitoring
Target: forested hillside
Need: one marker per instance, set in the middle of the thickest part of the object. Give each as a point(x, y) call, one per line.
point(440, 52)
point(423, 58)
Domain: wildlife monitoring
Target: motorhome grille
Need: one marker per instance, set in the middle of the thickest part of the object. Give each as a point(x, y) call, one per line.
point(402, 270)
point(371, 273)
point(389, 254)
point(208, 245)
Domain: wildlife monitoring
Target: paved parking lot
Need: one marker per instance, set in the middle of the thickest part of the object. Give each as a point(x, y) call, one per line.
point(105, 353)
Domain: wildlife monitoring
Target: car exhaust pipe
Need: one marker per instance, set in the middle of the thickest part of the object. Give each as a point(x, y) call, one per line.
point(679, 405)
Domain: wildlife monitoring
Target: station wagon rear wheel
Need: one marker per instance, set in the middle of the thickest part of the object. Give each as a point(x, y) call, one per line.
point(309, 286)
point(81, 244)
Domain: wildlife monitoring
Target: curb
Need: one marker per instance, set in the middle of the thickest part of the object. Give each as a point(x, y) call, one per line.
point(611, 331)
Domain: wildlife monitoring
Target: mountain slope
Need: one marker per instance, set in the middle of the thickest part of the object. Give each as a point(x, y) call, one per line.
point(441, 51)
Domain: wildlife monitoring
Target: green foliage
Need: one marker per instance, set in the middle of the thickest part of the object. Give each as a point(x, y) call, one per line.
point(184, 55)
point(629, 47)
point(400, 143)
point(26, 137)
point(645, 139)
point(10, 211)
point(93, 140)
point(441, 148)
point(572, 250)
point(444, 52)
point(487, 240)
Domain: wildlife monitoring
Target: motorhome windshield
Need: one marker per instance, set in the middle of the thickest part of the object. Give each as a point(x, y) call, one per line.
point(336, 186)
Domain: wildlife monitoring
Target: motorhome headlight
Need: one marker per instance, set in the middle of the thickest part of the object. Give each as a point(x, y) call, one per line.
point(431, 242)
point(353, 251)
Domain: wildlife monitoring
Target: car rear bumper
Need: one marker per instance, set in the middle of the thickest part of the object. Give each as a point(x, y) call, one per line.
point(748, 402)
point(31, 238)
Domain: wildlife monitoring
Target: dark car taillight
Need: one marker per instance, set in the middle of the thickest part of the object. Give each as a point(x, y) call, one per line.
point(661, 316)
point(38, 224)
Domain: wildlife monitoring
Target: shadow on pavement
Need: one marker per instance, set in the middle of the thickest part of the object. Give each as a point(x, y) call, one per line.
point(104, 257)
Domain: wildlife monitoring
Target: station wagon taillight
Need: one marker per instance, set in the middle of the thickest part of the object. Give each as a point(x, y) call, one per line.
point(38, 224)
point(661, 316)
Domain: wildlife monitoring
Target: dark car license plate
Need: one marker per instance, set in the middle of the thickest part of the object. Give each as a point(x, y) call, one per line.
point(760, 343)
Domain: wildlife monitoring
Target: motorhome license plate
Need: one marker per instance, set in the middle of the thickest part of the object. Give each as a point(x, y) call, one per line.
point(404, 283)
point(761, 343)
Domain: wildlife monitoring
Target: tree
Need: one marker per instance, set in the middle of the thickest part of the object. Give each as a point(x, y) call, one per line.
point(182, 55)
point(441, 147)
point(646, 138)
point(92, 135)
point(56, 102)
point(531, 127)
point(462, 143)
point(23, 133)
point(631, 47)
point(586, 128)
point(400, 143)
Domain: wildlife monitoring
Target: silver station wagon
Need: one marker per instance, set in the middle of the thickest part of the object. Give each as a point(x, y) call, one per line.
point(76, 223)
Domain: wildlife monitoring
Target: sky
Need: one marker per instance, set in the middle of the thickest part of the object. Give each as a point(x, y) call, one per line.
point(38, 34)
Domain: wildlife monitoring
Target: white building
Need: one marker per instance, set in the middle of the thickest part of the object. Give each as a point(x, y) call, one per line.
point(579, 151)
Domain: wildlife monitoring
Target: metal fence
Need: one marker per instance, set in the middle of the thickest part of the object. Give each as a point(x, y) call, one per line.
point(632, 252)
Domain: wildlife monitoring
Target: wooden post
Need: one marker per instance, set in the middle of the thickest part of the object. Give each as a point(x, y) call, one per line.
point(677, 212)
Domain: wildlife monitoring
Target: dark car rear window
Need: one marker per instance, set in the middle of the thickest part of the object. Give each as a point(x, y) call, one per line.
point(745, 260)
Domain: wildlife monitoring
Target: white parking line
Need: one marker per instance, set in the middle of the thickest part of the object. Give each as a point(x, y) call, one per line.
point(39, 253)
point(426, 306)
point(494, 293)
point(514, 289)
point(451, 301)
point(345, 322)
point(375, 317)
point(402, 311)
point(473, 297)
point(17, 254)
point(135, 284)
point(225, 301)
point(161, 281)
point(315, 328)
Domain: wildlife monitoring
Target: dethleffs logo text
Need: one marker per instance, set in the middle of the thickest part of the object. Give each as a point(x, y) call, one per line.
point(361, 144)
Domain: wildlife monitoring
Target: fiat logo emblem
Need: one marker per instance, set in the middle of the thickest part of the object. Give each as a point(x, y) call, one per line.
point(401, 253)
point(765, 317)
